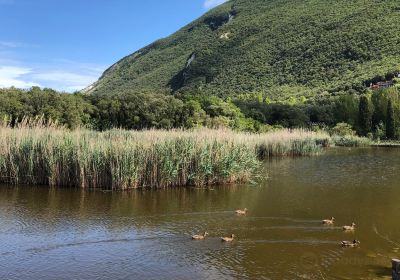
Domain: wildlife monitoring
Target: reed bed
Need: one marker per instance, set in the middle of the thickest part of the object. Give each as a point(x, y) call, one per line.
point(119, 159)
point(351, 141)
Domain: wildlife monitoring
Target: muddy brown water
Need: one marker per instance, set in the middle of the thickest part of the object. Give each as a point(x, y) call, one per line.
point(73, 234)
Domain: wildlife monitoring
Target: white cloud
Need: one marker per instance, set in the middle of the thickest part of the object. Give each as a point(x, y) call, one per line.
point(69, 79)
point(14, 45)
point(24, 77)
point(68, 75)
point(213, 3)
point(6, 44)
point(15, 76)
point(59, 74)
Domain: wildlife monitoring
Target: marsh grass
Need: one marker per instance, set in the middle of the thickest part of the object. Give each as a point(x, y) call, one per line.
point(351, 141)
point(38, 154)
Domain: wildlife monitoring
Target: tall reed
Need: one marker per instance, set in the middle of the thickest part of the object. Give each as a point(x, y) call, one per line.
point(118, 159)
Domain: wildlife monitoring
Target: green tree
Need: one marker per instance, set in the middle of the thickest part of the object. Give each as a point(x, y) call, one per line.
point(390, 121)
point(346, 109)
point(365, 116)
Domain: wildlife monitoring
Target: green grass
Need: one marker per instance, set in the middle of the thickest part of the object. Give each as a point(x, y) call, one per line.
point(119, 159)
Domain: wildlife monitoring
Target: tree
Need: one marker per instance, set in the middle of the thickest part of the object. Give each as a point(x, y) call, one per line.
point(390, 123)
point(346, 109)
point(365, 116)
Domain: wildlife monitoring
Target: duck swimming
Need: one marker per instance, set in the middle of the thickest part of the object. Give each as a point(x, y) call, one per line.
point(352, 244)
point(241, 212)
point(200, 236)
point(228, 239)
point(350, 228)
point(329, 222)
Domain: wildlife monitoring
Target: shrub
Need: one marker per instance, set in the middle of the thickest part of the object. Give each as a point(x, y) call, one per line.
point(342, 129)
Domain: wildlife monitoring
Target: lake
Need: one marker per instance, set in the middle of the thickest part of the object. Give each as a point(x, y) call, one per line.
point(73, 234)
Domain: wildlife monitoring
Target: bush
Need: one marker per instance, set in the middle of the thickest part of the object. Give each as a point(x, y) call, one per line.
point(342, 129)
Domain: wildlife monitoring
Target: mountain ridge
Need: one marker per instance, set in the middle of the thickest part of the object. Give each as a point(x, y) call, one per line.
point(278, 48)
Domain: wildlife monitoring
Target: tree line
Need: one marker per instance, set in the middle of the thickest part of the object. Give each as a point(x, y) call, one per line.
point(374, 113)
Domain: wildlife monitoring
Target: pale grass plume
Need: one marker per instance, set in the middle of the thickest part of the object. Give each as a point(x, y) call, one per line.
point(41, 152)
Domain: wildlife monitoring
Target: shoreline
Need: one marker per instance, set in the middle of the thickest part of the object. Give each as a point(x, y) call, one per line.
point(386, 145)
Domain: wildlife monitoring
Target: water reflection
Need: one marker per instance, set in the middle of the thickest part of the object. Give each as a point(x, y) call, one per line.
point(146, 234)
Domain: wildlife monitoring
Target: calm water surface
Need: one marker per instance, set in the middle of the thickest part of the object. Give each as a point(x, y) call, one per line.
point(72, 234)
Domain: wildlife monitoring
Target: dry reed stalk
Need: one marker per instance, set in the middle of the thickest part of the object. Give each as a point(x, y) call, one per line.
point(40, 153)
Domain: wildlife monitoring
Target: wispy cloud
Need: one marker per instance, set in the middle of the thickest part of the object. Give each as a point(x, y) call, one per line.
point(68, 81)
point(71, 78)
point(90, 67)
point(60, 74)
point(15, 76)
point(5, 44)
point(12, 46)
point(208, 4)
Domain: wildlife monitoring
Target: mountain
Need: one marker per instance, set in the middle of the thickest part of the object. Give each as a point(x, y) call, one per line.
point(279, 48)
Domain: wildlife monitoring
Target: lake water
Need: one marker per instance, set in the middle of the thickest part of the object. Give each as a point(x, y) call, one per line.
point(73, 234)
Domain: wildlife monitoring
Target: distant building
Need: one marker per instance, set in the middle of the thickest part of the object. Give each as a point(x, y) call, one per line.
point(382, 85)
point(373, 87)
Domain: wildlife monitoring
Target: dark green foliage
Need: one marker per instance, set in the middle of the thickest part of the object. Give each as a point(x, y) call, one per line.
point(146, 110)
point(246, 112)
point(275, 48)
point(68, 109)
point(380, 101)
point(347, 109)
point(137, 111)
point(128, 111)
point(390, 121)
point(276, 114)
point(365, 116)
point(218, 20)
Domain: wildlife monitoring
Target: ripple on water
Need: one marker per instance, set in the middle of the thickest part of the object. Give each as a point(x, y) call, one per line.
point(146, 235)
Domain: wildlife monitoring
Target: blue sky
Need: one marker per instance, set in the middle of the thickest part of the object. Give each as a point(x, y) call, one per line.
point(67, 44)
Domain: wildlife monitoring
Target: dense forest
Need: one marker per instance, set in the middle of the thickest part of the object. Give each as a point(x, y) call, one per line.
point(375, 114)
point(281, 49)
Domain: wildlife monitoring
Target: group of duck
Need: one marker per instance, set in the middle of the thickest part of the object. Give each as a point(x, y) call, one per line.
point(353, 244)
point(223, 239)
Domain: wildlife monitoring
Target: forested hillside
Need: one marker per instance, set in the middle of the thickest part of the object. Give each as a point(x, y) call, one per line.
point(278, 48)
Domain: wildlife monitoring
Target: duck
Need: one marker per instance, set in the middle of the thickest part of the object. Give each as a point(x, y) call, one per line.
point(350, 228)
point(241, 212)
point(200, 236)
point(228, 239)
point(329, 222)
point(352, 244)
